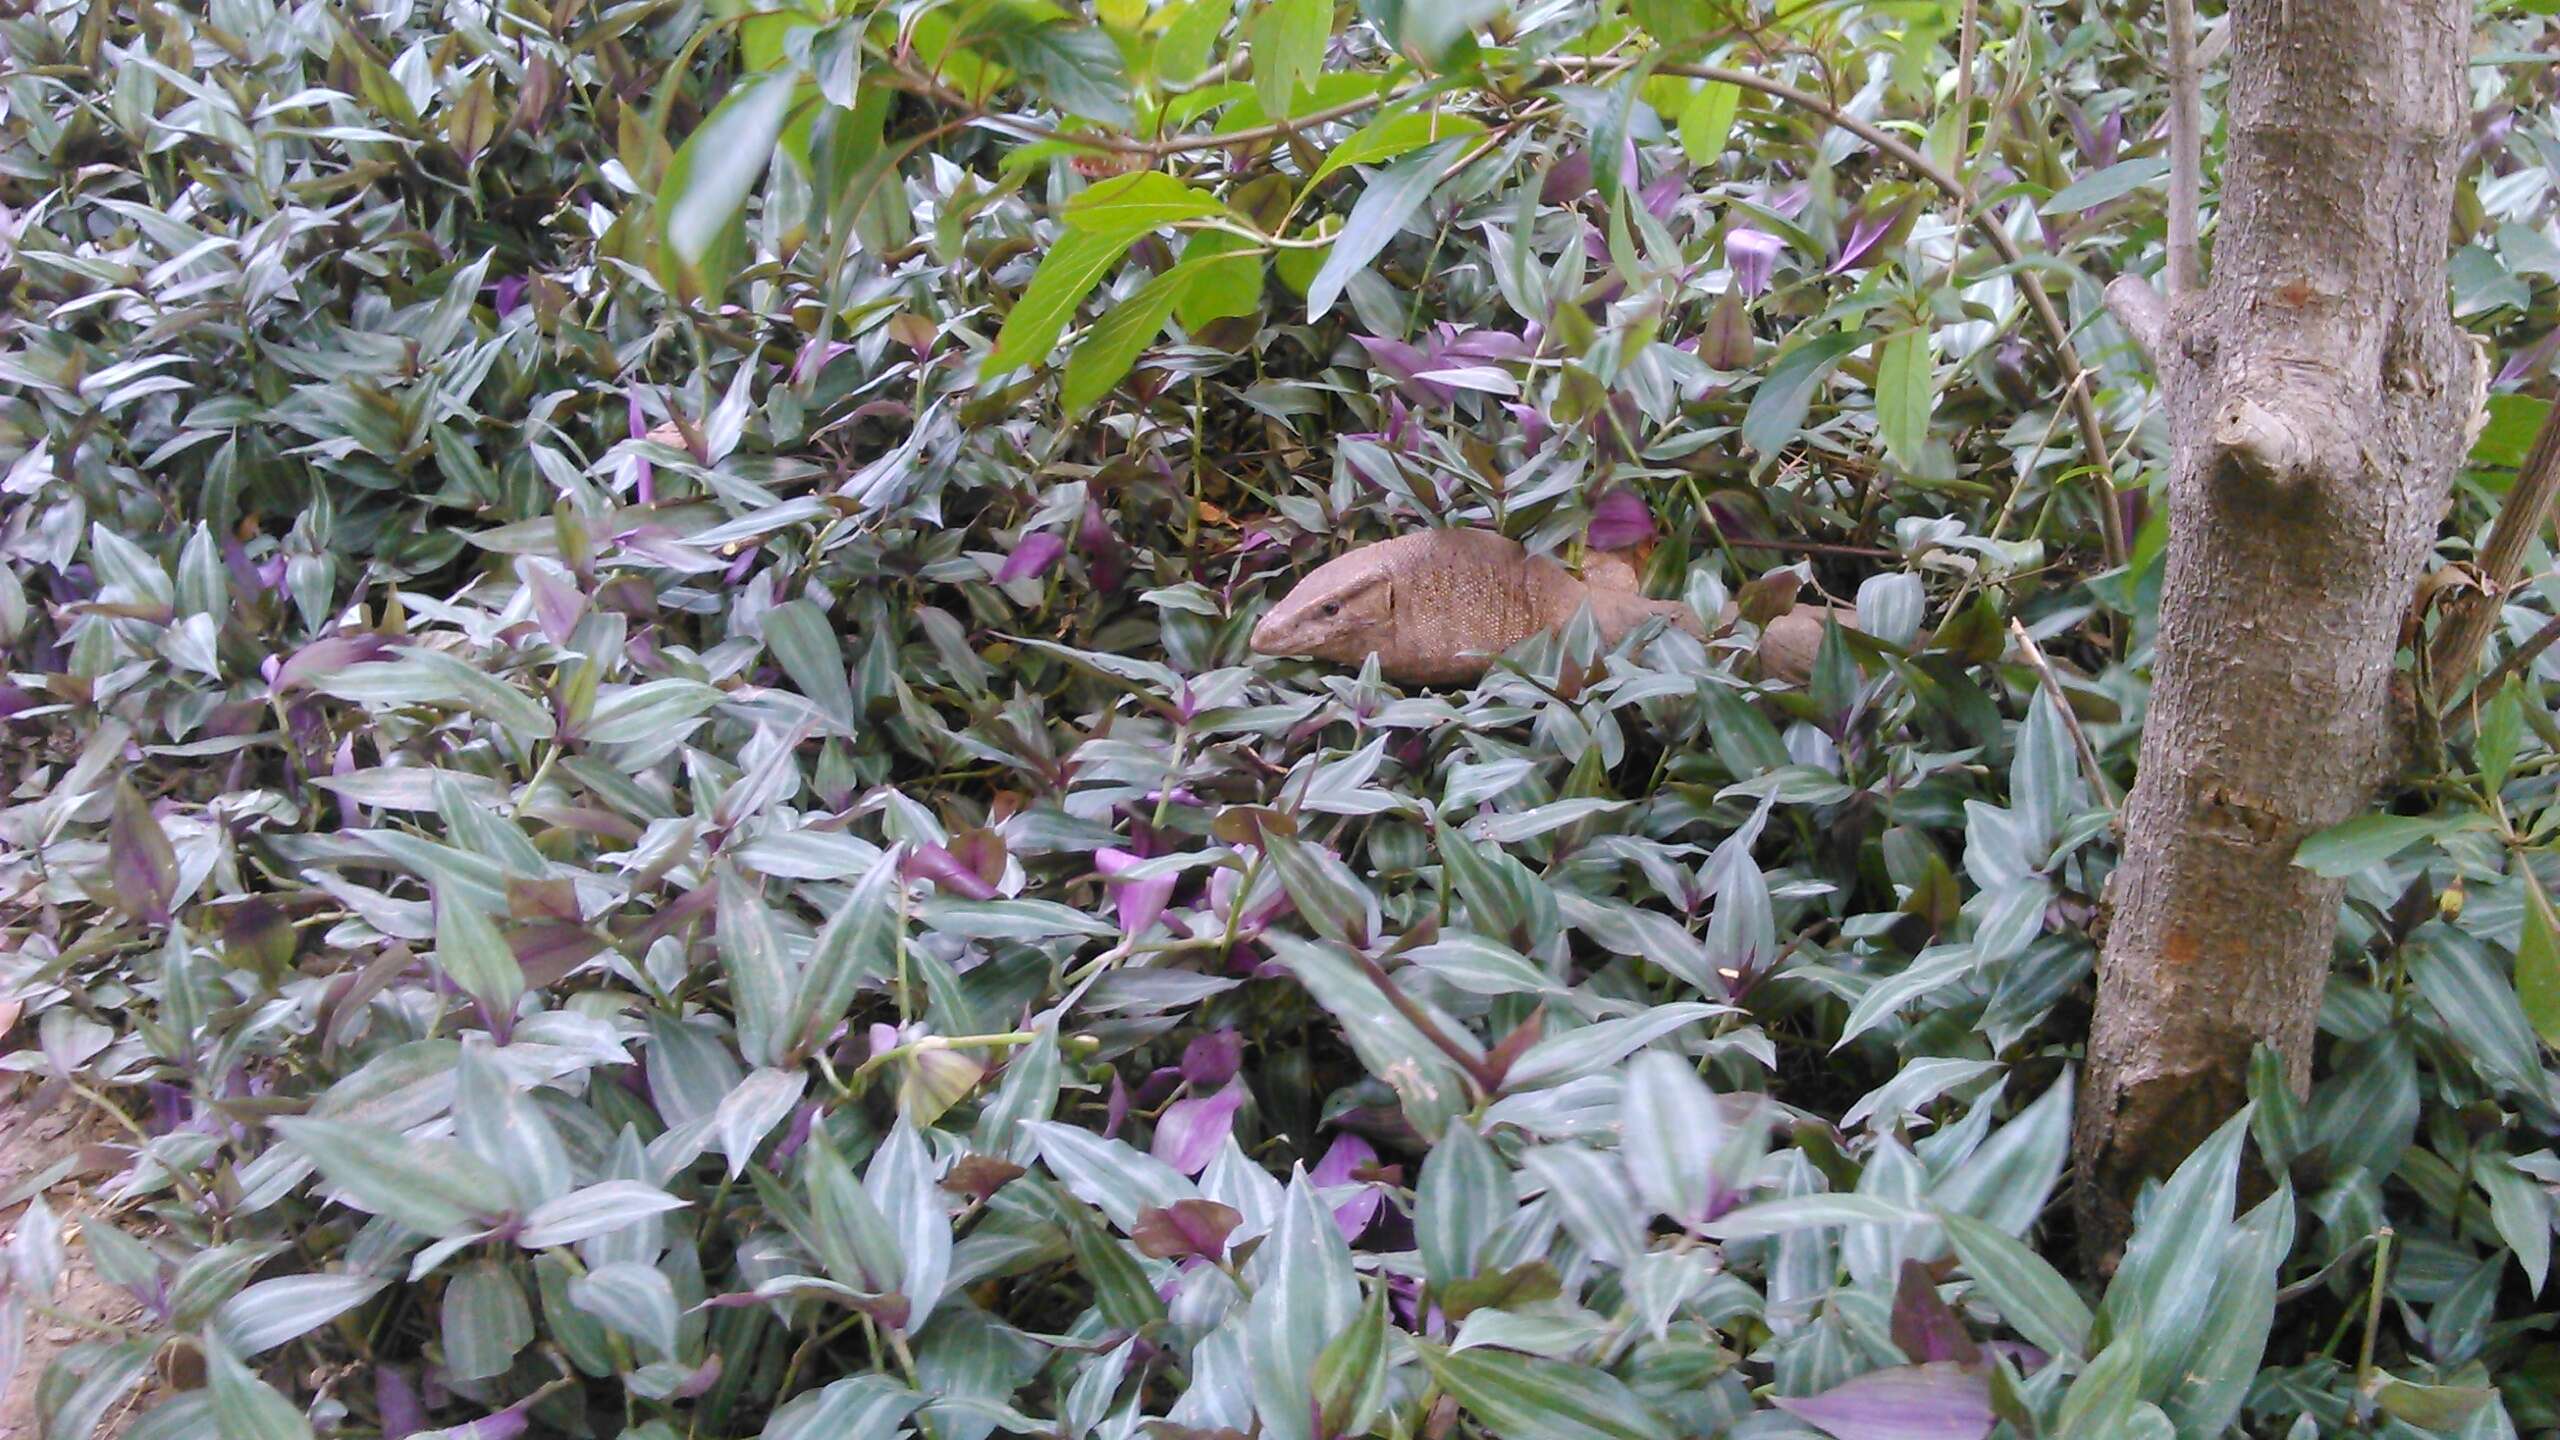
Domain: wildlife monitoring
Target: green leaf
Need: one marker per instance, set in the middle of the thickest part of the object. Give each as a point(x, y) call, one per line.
point(860, 942)
point(2538, 960)
point(1076, 65)
point(1331, 899)
point(805, 644)
point(434, 1187)
point(2100, 1403)
point(1394, 194)
point(485, 1321)
point(471, 951)
point(1351, 1373)
point(271, 1312)
point(1135, 204)
point(1904, 396)
point(1389, 136)
point(2029, 1293)
point(2501, 729)
point(1529, 1397)
point(2224, 1352)
point(246, 1407)
point(1066, 275)
point(1116, 340)
point(1227, 280)
point(2514, 420)
point(1706, 122)
point(2166, 1279)
point(1672, 21)
point(1305, 1293)
point(1464, 1197)
point(2116, 181)
point(714, 171)
point(1287, 39)
point(1786, 392)
point(2364, 842)
point(1182, 48)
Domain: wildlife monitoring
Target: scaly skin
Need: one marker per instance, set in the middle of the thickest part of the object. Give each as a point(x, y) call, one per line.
point(1437, 607)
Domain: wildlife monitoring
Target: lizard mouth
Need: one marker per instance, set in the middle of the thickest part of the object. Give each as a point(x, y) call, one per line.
point(1266, 637)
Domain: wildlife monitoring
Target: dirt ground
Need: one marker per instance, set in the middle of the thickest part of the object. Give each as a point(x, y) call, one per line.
point(53, 1146)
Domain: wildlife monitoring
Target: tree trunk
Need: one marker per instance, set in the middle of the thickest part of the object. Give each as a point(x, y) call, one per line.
point(2316, 392)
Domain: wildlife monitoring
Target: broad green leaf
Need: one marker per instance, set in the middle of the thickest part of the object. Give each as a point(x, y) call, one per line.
point(1325, 892)
point(2224, 1353)
point(1288, 40)
point(1669, 1131)
point(717, 167)
point(1904, 396)
point(470, 949)
point(1066, 275)
point(434, 1187)
point(246, 1407)
point(2100, 1403)
point(1116, 340)
point(1225, 278)
point(1305, 1294)
point(1529, 1397)
point(1706, 122)
point(485, 1320)
point(637, 1301)
point(2006, 1182)
point(1389, 136)
point(598, 1209)
point(809, 650)
point(2166, 1278)
point(860, 943)
point(2364, 842)
point(1778, 407)
point(1464, 1196)
point(271, 1312)
point(2029, 1293)
point(1134, 204)
point(1808, 1212)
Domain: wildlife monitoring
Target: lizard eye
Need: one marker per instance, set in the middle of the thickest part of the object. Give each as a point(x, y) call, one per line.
point(1332, 609)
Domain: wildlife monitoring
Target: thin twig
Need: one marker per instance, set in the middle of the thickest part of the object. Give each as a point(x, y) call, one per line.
point(2516, 661)
point(2093, 435)
point(2070, 721)
point(2186, 151)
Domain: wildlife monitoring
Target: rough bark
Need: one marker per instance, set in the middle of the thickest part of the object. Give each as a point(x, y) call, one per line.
point(2316, 393)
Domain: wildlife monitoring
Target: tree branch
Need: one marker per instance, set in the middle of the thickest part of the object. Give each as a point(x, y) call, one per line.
point(2143, 314)
point(2466, 630)
point(2186, 151)
point(2084, 411)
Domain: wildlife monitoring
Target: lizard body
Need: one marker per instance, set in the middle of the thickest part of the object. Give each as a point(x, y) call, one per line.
point(1437, 606)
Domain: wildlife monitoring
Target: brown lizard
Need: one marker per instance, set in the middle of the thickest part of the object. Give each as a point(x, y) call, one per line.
point(1437, 607)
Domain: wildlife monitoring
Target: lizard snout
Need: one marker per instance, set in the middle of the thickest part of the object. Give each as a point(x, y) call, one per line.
point(1267, 638)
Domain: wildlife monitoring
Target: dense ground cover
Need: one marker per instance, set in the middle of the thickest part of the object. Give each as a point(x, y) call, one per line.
point(636, 778)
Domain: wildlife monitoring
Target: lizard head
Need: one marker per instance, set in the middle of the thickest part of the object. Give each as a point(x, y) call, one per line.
point(1344, 611)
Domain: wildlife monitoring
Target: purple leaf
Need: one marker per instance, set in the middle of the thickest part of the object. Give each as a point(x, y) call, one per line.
point(395, 1404)
point(1663, 196)
point(1924, 1325)
point(1753, 254)
point(1184, 1229)
point(557, 604)
point(142, 863)
point(326, 656)
point(1190, 1131)
point(644, 475)
point(1035, 556)
point(1533, 424)
point(1568, 180)
point(1349, 1154)
point(1140, 902)
point(934, 863)
point(1619, 521)
point(1864, 233)
point(1213, 1059)
point(509, 294)
point(1909, 1402)
point(1099, 547)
